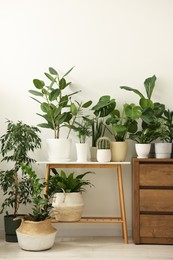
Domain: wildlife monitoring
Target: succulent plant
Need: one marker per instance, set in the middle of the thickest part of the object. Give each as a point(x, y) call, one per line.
point(103, 143)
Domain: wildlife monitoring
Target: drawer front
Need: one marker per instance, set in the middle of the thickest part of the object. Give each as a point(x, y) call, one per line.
point(153, 226)
point(156, 175)
point(156, 200)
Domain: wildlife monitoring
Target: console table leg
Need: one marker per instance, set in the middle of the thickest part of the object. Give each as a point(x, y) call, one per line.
point(122, 204)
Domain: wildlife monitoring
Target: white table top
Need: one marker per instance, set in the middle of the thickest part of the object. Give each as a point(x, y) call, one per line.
point(75, 162)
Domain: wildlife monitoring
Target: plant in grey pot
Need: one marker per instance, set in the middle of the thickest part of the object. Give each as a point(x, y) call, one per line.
point(57, 110)
point(67, 191)
point(16, 144)
point(149, 123)
point(36, 232)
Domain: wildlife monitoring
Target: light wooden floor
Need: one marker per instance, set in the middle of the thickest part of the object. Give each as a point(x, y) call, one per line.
point(93, 248)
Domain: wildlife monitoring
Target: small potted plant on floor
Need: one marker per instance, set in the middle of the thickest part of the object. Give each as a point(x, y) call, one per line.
point(16, 143)
point(36, 232)
point(57, 111)
point(67, 199)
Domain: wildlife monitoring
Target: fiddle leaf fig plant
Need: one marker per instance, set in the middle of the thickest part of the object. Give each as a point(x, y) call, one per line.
point(54, 101)
point(16, 144)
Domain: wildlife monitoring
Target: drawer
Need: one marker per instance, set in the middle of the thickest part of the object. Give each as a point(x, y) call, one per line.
point(156, 174)
point(156, 226)
point(156, 200)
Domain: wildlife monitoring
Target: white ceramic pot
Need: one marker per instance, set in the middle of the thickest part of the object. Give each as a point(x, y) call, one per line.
point(67, 206)
point(143, 150)
point(163, 150)
point(103, 155)
point(82, 151)
point(59, 150)
point(118, 151)
point(36, 236)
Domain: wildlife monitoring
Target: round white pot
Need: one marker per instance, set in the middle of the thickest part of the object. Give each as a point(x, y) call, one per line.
point(67, 206)
point(59, 150)
point(103, 155)
point(163, 150)
point(119, 151)
point(142, 150)
point(36, 236)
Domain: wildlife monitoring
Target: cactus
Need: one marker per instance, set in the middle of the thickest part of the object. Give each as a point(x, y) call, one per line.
point(103, 143)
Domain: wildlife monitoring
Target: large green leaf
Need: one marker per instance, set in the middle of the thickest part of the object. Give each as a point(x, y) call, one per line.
point(62, 83)
point(38, 83)
point(54, 94)
point(53, 71)
point(36, 93)
point(136, 91)
point(149, 84)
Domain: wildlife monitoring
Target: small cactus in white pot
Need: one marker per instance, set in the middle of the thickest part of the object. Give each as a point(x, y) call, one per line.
point(103, 149)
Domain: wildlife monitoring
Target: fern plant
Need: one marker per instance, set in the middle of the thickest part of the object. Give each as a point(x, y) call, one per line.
point(62, 182)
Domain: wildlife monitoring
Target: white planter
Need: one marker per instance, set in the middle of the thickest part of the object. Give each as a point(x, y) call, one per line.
point(82, 151)
point(67, 206)
point(59, 150)
point(163, 150)
point(118, 151)
point(143, 150)
point(103, 155)
point(36, 236)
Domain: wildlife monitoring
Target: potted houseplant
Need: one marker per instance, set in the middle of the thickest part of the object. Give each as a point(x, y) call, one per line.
point(163, 149)
point(67, 194)
point(101, 110)
point(122, 123)
point(149, 125)
point(103, 149)
point(55, 105)
point(81, 126)
point(36, 232)
point(16, 143)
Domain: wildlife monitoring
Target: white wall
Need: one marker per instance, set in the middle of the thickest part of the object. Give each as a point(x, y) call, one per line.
point(110, 43)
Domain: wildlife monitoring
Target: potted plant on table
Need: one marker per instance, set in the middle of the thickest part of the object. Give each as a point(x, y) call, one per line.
point(36, 232)
point(67, 199)
point(101, 110)
point(122, 123)
point(57, 110)
point(16, 143)
point(150, 125)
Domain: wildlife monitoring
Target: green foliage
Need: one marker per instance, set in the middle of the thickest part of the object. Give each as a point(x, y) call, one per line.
point(62, 182)
point(16, 143)
point(101, 110)
point(166, 133)
point(124, 123)
point(41, 202)
point(55, 104)
point(150, 125)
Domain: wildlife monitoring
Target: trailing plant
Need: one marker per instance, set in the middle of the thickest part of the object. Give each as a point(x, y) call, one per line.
point(103, 143)
point(54, 102)
point(41, 205)
point(16, 144)
point(63, 182)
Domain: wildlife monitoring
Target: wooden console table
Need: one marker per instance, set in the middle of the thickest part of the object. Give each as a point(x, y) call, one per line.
point(109, 165)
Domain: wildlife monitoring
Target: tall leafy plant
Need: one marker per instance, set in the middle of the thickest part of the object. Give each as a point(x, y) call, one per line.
point(16, 143)
point(55, 103)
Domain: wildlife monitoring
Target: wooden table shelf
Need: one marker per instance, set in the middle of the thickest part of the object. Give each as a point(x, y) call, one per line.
point(109, 165)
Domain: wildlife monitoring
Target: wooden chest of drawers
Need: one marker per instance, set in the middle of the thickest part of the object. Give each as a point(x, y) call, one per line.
point(152, 201)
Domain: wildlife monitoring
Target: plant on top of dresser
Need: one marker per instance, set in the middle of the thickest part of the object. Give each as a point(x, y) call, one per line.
point(16, 144)
point(67, 194)
point(149, 124)
point(57, 110)
point(36, 231)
